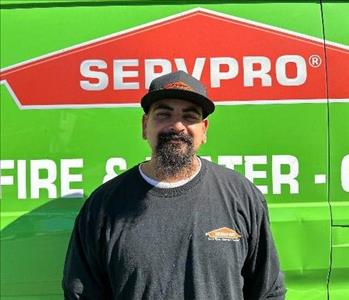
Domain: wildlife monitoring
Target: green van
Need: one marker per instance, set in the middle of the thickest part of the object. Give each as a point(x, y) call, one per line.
point(72, 73)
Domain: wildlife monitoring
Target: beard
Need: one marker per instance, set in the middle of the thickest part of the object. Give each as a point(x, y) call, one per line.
point(174, 154)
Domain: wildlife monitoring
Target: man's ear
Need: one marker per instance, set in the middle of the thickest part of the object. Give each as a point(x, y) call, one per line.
point(205, 127)
point(144, 126)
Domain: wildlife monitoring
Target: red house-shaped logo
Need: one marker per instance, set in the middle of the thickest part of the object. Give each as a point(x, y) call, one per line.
point(238, 60)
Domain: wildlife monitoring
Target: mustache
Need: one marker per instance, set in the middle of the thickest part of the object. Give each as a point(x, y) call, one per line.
point(164, 137)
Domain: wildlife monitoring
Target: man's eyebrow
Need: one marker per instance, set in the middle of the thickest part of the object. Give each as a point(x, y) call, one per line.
point(192, 109)
point(162, 106)
point(187, 109)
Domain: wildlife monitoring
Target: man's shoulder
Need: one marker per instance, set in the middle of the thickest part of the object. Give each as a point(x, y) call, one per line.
point(123, 179)
point(111, 189)
point(234, 181)
point(224, 173)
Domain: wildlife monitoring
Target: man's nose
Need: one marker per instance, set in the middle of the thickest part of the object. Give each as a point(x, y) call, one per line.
point(177, 126)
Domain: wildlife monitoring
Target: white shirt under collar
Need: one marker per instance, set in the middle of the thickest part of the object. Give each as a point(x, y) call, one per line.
point(168, 185)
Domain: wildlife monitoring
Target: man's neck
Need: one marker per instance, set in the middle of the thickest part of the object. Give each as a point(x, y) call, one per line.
point(153, 170)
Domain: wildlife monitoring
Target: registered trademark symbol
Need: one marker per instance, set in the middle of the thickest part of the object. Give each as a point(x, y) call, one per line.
point(315, 61)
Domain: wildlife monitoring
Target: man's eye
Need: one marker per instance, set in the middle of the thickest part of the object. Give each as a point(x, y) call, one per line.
point(162, 115)
point(191, 117)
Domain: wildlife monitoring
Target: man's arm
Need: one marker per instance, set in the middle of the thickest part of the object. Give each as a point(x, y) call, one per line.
point(83, 276)
point(262, 274)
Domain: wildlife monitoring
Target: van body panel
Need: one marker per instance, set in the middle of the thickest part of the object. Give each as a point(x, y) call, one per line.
point(76, 149)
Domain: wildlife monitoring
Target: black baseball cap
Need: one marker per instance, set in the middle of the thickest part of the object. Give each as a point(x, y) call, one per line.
point(178, 85)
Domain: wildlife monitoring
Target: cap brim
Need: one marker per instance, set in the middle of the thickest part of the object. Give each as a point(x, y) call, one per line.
point(206, 104)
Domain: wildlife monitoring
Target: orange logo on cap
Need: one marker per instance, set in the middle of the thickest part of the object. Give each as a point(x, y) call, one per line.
point(223, 234)
point(179, 85)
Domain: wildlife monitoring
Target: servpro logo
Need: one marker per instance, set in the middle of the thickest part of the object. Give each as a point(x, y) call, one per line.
point(223, 234)
point(255, 70)
point(238, 60)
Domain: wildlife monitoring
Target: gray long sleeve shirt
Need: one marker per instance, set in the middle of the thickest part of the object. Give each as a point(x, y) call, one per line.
point(207, 239)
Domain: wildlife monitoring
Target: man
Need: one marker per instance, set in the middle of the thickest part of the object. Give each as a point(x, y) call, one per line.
point(177, 226)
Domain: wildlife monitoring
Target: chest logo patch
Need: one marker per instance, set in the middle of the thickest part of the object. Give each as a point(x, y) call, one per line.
point(223, 234)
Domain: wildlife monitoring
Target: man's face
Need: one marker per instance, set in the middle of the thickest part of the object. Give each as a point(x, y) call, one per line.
point(182, 118)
